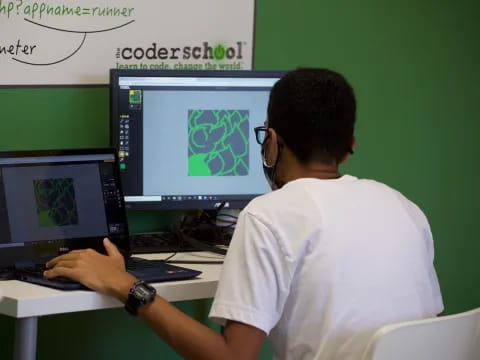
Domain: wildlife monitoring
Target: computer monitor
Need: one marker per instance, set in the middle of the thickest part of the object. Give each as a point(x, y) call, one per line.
point(185, 139)
point(54, 201)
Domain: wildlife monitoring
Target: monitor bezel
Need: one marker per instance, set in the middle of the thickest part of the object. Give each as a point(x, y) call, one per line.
point(233, 201)
point(47, 249)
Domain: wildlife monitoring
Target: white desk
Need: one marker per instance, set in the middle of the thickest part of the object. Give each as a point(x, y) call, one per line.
point(26, 302)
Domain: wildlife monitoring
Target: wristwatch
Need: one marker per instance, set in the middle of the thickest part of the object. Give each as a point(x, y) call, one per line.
point(140, 295)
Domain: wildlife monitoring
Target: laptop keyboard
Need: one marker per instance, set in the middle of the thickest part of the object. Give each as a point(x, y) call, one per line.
point(131, 264)
point(7, 273)
point(37, 270)
point(147, 270)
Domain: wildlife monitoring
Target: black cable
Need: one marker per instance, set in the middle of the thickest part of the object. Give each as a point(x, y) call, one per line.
point(192, 230)
point(158, 240)
point(200, 245)
point(169, 257)
point(167, 260)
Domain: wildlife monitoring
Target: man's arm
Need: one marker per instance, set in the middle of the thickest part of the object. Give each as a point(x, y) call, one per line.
point(188, 337)
point(193, 340)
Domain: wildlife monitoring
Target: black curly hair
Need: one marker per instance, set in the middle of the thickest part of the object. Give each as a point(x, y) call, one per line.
point(313, 111)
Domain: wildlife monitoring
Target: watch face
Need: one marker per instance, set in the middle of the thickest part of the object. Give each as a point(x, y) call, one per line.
point(142, 291)
point(140, 294)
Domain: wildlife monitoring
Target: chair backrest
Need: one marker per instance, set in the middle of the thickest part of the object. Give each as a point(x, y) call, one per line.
point(453, 337)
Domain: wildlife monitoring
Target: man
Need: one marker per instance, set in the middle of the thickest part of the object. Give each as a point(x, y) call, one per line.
point(317, 265)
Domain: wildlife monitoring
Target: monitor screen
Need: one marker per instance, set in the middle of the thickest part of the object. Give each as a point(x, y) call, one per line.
point(185, 139)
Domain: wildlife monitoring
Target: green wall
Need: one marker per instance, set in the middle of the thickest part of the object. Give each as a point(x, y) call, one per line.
point(413, 65)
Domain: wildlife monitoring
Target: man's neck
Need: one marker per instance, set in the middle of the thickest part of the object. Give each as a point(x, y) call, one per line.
point(294, 170)
point(315, 170)
point(326, 173)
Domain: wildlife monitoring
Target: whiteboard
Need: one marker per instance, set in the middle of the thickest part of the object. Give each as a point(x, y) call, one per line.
point(54, 42)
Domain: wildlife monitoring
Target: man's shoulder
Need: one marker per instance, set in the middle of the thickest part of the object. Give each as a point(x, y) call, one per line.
point(413, 210)
point(300, 192)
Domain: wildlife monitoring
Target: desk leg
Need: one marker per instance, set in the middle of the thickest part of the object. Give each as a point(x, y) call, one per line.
point(26, 338)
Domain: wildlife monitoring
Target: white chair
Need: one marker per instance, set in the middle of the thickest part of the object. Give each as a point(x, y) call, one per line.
point(453, 337)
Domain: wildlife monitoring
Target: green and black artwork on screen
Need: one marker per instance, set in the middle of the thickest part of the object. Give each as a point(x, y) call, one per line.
point(218, 142)
point(56, 204)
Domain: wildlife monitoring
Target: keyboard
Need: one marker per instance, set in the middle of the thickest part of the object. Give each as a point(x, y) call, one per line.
point(34, 274)
point(143, 269)
point(7, 273)
point(131, 264)
point(158, 242)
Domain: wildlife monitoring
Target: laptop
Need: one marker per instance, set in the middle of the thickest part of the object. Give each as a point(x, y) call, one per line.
point(55, 201)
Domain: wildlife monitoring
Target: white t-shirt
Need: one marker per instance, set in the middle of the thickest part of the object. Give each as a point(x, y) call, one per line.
point(319, 265)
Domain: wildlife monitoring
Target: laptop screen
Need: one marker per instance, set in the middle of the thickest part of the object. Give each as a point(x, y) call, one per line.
point(54, 201)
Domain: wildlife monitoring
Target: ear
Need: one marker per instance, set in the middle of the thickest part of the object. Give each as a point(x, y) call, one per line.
point(352, 146)
point(271, 148)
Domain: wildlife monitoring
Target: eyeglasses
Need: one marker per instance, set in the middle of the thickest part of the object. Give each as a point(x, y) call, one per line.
point(261, 133)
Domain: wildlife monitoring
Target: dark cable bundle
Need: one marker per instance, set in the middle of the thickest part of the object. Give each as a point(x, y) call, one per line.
point(202, 231)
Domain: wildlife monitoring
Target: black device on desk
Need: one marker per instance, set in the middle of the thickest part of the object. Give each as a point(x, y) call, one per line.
point(170, 242)
point(159, 242)
point(54, 201)
point(190, 233)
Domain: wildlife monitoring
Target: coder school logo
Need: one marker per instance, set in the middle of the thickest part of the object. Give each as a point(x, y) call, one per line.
point(206, 51)
point(204, 56)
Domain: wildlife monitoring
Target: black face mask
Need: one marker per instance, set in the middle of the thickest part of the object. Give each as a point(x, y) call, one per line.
point(270, 170)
